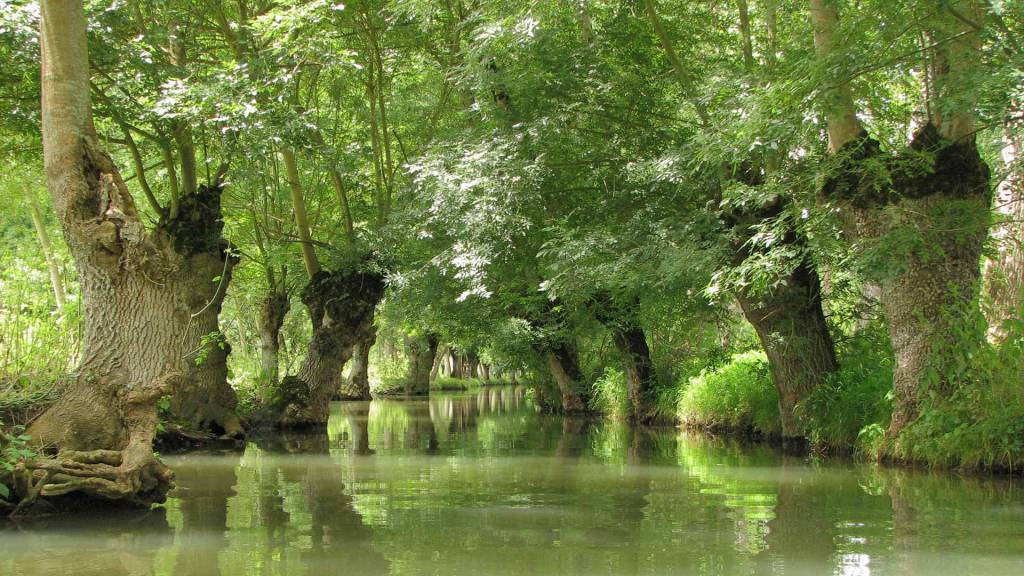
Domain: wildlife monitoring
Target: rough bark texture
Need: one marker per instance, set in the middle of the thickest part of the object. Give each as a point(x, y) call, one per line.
point(791, 327)
point(341, 306)
point(564, 363)
point(631, 342)
point(455, 364)
point(357, 385)
point(940, 190)
point(421, 351)
point(205, 401)
point(640, 378)
point(136, 292)
point(472, 365)
point(788, 318)
point(273, 309)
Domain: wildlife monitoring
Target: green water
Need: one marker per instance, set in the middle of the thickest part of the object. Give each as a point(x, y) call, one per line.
point(481, 484)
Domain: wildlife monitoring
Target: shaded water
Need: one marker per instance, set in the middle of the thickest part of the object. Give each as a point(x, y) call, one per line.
point(481, 484)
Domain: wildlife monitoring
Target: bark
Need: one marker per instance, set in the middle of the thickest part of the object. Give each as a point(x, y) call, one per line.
point(341, 305)
point(564, 363)
point(357, 385)
point(137, 298)
point(938, 187)
point(273, 309)
point(472, 365)
point(205, 402)
point(1004, 272)
point(926, 299)
point(456, 365)
point(789, 320)
point(44, 243)
point(421, 352)
point(631, 342)
point(640, 378)
point(791, 326)
point(439, 358)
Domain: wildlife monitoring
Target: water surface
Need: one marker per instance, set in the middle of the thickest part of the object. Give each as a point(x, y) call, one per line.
point(481, 484)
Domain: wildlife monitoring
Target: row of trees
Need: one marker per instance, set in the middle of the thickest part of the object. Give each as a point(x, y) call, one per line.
point(538, 183)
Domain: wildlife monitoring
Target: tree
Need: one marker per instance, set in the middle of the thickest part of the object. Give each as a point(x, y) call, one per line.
point(935, 189)
point(104, 424)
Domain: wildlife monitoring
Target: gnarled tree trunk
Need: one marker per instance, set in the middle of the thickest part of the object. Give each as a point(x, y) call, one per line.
point(564, 364)
point(205, 401)
point(136, 304)
point(788, 318)
point(273, 309)
point(937, 189)
point(791, 326)
point(640, 378)
point(946, 202)
point(357, 385)
point(421, 351)
point(631, 342)
point(341, 306)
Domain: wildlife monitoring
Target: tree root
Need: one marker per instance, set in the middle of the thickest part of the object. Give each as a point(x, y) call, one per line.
point(134, 477)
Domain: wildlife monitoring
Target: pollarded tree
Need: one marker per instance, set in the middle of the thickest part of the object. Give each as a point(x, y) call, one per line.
point(928, 198)
point(135, 294)
point(749, 174)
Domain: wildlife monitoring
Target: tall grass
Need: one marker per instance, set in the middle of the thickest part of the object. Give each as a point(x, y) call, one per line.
point(737, 396)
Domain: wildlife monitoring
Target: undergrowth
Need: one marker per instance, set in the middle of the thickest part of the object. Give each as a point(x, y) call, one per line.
point(737, 396)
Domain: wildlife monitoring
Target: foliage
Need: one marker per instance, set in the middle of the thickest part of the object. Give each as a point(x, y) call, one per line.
point(976, 422)
point(736, 396)
point(519, 170)
point(14, 449)
point(857, 396)
point(610, 393)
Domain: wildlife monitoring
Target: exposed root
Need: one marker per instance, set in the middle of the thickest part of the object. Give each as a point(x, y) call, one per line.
point(135, 477)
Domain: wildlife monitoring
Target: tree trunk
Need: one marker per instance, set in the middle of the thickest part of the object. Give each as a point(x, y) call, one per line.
point(456, 364)
point(927, 300)
point(137, 295)
point(205, 401)
point(44, 243)
point(341, 306)
point(357, 385)
point(472, 365)
point(273, 309)
point(937, 189)
point(421, 352)
point(563, 361)
point(791, 326)
point(1004, 272)
point(640, 378)
point(438, 363)
point(485, 372)
point(624, 323)
point(788, 317)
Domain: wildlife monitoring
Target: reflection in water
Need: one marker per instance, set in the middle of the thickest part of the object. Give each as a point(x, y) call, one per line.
point(482, 483)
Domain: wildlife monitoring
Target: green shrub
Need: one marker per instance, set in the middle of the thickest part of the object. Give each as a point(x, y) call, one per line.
point(977, 422)
point(610, 393)
point(857, 396)
point(14, 448)
point(737, 396)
